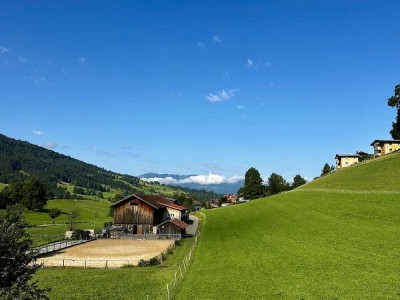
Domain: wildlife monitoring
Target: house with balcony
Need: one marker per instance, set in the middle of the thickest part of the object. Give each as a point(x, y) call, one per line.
point(346, 160)
point(384, 147)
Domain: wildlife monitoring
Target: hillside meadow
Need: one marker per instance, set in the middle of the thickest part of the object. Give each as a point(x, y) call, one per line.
point(377, 175)
point(299, 245)
point(93, 214)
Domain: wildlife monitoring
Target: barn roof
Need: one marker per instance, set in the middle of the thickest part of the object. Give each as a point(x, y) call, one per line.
point(176, 222)
point(155, 201)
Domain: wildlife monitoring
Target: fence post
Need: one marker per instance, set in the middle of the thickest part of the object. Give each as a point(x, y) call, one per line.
point(180, 271)
point(106, 264)
point(85, 263)
point(175, 280)
point(168, 291)
point(63, 263)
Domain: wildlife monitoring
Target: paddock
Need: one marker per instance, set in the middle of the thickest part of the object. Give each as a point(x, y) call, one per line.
point(106, 253)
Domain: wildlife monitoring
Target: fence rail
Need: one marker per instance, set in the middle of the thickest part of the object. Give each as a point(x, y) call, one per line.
point(56, 246)
point(121, 235)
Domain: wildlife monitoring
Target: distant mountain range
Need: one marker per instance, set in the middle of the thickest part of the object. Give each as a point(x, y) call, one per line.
point(212, 182)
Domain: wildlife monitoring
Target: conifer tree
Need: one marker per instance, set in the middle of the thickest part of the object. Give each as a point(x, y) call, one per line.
point(253, 187)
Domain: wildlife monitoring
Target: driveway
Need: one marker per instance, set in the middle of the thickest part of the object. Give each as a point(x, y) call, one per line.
point(192, 228)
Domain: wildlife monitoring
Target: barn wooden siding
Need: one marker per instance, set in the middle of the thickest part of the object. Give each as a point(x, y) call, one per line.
point(134, 212)
point(169, 228)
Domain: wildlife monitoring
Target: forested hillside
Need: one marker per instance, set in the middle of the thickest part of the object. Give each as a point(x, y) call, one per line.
point(65, 176)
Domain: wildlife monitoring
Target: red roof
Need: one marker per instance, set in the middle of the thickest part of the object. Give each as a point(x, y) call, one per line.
point(176, 222)
point(155, 201)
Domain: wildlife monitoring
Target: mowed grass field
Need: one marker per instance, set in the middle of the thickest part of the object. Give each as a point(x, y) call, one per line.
point(306, 244)
point(299, 245)
point(377, 175)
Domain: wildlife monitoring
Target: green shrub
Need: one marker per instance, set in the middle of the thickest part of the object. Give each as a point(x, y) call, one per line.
point(151, 262)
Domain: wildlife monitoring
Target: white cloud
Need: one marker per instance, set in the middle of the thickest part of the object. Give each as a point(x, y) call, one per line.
point(241, 107)
point(22, 59)
point(50, 145)
point(198, 179)
point(201, 45)
point(3, 50)
point(221, 96)
point(83, 60)
point(216, 39)
point(40, 80)
point(257, 64)
point(167, 180)
point(37, 132)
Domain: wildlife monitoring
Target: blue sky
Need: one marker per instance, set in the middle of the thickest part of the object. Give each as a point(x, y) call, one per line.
point(199, 87)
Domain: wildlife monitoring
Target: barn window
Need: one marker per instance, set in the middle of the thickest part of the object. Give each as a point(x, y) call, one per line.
point(134, 204)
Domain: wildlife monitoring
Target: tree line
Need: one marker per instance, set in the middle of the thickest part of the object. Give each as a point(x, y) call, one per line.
point(254, 188)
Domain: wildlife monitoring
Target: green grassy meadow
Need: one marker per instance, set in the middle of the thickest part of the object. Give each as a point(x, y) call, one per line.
point(298, 245)
point(93, 214)
point(377, 175)
point(337, 237)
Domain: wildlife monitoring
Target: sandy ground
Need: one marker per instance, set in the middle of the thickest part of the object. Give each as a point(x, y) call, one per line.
point(111, 253)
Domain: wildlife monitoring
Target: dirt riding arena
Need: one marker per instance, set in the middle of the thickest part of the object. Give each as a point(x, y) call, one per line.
point(106, 253)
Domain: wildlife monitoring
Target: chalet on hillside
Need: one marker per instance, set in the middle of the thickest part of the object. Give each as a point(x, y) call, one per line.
point(143, 214)
point(346, 160)
point(383, 147)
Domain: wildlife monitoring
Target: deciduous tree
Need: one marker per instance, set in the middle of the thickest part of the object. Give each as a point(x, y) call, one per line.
point(54, 213)
point(73, 216)
point(17, 263)
point(394, 101)
point(298, 181)
point(277, 184)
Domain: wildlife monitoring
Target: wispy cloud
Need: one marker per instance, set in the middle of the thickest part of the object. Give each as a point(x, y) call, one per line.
point(22, 59)
point(3, 50)
point(241, 107)
point(198, 179)
point(37, 132)
point(50, 145)
point(251, 63)
point(221, 96)
point(40, 80)
point(83, 60)
point(216, 39)
point(129, 151)
point(200, 45)
point(97, 150)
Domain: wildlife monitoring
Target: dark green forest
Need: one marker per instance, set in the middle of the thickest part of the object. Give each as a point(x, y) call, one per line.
point(20, 160)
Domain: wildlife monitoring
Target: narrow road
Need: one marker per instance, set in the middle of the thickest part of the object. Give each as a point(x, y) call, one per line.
point(192, 228)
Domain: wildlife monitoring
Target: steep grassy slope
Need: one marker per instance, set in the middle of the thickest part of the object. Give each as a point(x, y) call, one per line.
point(378, 175)
point(305, 244)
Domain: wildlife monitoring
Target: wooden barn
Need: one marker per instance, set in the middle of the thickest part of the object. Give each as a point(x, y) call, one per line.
point(141, 214)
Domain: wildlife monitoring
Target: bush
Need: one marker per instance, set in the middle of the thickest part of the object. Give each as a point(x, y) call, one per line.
point(151, 262)
point(108, 224)
point(80, 234)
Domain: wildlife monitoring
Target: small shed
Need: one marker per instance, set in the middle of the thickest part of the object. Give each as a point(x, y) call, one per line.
point(173, 226)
